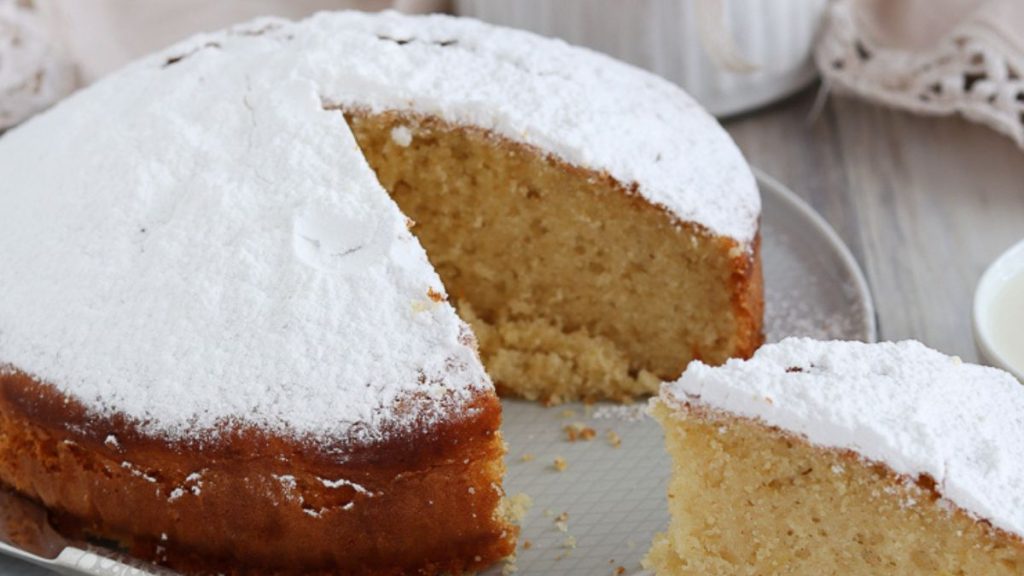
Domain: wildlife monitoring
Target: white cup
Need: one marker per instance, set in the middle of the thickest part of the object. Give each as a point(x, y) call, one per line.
point(1005, 268)
point(664, 36)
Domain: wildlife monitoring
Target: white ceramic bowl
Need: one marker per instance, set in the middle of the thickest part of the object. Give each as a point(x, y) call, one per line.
point(663, 36)
point(1006, 266)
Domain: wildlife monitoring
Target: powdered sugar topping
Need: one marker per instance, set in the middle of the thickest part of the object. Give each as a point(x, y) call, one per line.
point(198, 240)
point(579, 105)
point(914, 409)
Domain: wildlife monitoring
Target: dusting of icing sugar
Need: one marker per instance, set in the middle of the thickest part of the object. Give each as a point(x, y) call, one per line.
point(402, 136)
point(134, 471)
point(290, 487)
point(194, 483)
point(341, 237)
point(580, 105)
point(287, 481)
point(623, 413)
point(916, 410)
point(229, 254)
point(343, 482)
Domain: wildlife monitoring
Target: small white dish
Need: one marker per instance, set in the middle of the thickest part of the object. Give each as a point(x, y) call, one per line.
point(1007, 270)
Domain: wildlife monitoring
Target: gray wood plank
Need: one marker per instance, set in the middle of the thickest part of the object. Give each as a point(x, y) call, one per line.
point(925, 203)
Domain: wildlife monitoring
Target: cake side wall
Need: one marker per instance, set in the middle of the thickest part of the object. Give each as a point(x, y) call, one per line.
point(748, 300)
point(245, 513)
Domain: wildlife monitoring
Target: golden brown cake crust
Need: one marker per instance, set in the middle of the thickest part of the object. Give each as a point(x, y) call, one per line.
point(748, 301)
point(422, 504)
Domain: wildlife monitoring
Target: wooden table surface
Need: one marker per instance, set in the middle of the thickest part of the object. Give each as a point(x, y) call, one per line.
point(924, 203)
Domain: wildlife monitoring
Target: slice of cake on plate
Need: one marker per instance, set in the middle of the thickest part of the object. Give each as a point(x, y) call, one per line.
point(843, 458)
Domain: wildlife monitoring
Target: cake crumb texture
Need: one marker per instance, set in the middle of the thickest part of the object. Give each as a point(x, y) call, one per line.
point(745, 498)
point(575, 289)
point(919, 412)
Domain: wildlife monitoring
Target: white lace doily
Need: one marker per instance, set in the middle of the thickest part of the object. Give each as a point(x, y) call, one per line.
point(974, 70)
point(34, 71)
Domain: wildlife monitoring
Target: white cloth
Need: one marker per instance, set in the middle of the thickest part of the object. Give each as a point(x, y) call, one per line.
point(35, 71)
point(930, 56)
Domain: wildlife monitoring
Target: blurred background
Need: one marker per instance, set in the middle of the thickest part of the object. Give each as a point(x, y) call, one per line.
point(732, 56)
point(900, 121)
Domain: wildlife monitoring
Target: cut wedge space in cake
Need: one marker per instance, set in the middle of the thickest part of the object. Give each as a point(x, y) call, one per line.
point(224, 346)
point(843, 458)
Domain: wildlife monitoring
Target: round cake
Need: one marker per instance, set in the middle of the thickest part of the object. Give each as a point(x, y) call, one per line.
point(224, 346)
point(843, 458)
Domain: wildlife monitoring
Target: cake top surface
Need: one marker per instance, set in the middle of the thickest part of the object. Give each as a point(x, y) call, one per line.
point(902, 404)
point(197, 239)
point(579, 105)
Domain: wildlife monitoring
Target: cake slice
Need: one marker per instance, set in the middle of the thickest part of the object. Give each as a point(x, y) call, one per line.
point(843, 458)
